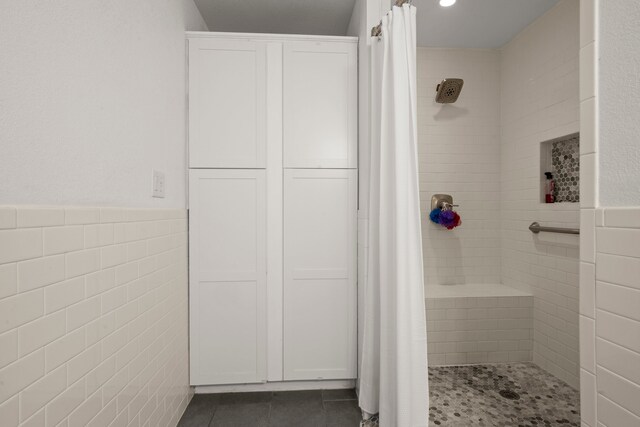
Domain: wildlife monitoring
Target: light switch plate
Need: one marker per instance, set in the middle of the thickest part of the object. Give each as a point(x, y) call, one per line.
point(158, 184)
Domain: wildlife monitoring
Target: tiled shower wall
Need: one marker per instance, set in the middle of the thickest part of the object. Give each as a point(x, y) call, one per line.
point(459, 154)
point(539, 102)
point(93, 316)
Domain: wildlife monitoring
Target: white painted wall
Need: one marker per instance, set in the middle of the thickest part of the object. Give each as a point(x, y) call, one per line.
point(619, 92)
point(539, 101)
point(93, 98)
point(459, 154)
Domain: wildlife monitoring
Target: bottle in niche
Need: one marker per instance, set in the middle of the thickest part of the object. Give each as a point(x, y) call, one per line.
point(549, 188)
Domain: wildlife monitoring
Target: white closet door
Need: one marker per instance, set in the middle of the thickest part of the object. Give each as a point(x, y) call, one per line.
point(320, 105)
point(227, 242)
point(227, 103)
point(320, 274)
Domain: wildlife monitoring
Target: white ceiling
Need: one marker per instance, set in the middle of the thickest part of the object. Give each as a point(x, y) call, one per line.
point(328, 17)
point(475, 23)
point(468, 23)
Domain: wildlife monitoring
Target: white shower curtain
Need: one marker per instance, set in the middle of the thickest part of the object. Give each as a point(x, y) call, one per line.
point(393, 368)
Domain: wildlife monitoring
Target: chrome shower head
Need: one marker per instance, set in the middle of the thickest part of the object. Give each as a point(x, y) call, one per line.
point(448, 91)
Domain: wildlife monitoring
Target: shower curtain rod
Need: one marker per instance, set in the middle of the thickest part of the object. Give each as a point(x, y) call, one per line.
point(377, 30)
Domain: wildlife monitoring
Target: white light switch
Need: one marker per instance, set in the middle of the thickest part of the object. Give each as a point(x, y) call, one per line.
point(158, 184)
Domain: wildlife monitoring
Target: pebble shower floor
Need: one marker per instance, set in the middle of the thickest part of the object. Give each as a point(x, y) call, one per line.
point(500, 395)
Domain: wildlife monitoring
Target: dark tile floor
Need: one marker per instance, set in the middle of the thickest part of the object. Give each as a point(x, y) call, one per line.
point(326, 408)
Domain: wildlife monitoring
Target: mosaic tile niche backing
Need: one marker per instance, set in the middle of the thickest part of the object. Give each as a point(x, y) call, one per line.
point(565, 160)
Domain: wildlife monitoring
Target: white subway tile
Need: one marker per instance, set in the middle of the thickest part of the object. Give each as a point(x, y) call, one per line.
point(587, 72)
point(619, 390)
point(620, 330)
point(8, 348)
point(20, 374)
point(100, 281)
point(101, 374)
point(20, 309)
point(588, 180)
point(82, 262)
point(112, 215)
point(126, 273)
point(136, 250)
point(587, 344)
point(618, 300)
point(587, 32)
point(113, 255)
point(83, 363)
point(7, 217)
point(148, 265)
point(100, 328)
point(8, 280)
point(63, 294)
point(611, 414)
point(113, 299)
point(88, 409)
point(91, 236)
point(619, 360)
point(587, 289)
point(588, 397)
point(38, 394)
point(599, 217)
point(9, 411)
point(69, 344)
point(63, 349)
point(588, 126)
point(58, 409)
point(105, 234)
point(37, 334)
point(455, 358)
point(498, 356)
point(620, 217)
point(39, 217)
point(114, 385)
point(37, 420)
point(17, 245)
point(106, 415)
point(58, 240)
point(618, 241)
point(40, 272)
point(82, 313)
point(79, 216)
point(587, 235)
point(620, 270)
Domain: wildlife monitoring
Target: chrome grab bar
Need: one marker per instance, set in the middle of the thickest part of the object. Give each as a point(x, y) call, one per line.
point(536, 228)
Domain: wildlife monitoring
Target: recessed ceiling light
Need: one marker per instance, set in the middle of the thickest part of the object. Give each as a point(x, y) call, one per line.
point(447, 3)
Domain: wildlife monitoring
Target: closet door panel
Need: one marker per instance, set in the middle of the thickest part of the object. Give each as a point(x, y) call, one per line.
point(227, 276)
point(320, 105)
point(227, 104)
point(319, 274)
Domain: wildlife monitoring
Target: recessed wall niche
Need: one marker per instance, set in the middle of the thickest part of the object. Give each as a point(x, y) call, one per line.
point(561, 157)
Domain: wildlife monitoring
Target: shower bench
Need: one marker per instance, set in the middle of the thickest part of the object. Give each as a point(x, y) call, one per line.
point(478, 323)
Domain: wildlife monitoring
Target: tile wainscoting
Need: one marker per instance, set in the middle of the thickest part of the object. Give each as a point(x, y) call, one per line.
point(609, 317)
point(93, 316)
